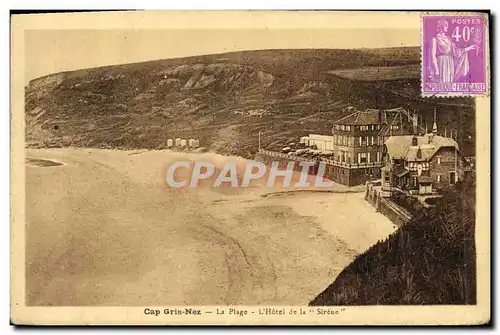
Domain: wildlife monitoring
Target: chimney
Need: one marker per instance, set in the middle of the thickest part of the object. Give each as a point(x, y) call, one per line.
point(419, 153)
point(414, 141)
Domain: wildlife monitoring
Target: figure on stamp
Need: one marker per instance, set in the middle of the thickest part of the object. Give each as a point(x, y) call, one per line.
point(449, 62)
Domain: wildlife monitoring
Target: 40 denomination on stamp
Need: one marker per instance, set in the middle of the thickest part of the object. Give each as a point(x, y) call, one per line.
point(454, 55)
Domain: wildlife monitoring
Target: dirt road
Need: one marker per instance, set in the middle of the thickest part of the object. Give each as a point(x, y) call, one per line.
point(104, 229)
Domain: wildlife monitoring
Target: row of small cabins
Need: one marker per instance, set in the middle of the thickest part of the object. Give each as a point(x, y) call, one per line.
point(384, 144)
point(180, 142)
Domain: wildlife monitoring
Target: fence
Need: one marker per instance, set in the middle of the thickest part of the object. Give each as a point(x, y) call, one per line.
point(322, 159)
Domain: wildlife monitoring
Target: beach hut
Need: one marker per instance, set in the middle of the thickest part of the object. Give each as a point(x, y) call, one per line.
point(191, 142)
point(170, 142)
point(183, 143)
point(177, 142)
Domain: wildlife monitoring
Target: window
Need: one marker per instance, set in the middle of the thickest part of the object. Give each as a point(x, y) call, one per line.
point(363, 128)
point(369, 157)
point(373, 140)
point(452, 178)
point(362, 157)
point(395, 127)
point(367, 140)
point(349, 157)
point(439, 160)
point(362, 141)
point(348, 128)
point(438, 178)
point(378, 156)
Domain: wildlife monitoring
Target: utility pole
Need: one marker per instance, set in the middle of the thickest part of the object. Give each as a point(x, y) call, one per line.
point(259, 140)
point(401, 124)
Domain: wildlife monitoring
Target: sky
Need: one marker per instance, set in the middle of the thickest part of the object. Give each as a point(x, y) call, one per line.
point(52, 51)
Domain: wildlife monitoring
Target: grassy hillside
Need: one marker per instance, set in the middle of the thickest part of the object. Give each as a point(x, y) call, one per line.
point(431, 260)
point(224, 100)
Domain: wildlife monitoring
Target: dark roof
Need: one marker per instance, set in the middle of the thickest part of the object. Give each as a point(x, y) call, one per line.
point(379, 73)
point(370, 116)
point(401, 173)
point(424, 179)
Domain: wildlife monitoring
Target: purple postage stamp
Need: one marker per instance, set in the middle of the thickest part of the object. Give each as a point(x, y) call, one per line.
point(454, 55)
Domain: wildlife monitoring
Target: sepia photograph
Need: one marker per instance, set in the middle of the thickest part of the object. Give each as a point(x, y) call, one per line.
point(291, 171)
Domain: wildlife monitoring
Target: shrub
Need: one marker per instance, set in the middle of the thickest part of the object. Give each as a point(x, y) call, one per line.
point(430, 260)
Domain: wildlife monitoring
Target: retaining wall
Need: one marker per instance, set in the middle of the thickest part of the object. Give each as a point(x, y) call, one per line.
point(398, 215)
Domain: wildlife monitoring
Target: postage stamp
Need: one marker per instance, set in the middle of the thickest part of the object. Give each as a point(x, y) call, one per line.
point(454, 55)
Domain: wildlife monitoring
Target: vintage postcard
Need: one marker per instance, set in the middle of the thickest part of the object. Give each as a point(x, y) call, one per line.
point(250, 168)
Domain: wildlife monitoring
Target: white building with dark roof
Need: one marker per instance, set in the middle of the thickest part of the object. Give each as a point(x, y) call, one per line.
point(358, 141)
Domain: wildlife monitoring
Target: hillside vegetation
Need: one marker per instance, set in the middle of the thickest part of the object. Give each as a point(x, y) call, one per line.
point(223, 100)
point(430, 260)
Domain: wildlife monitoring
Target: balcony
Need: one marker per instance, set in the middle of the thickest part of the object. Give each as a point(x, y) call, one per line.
point(352, 165)
point(322, 159)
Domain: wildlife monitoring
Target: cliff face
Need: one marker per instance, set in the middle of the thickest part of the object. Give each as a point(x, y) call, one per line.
point(224, 100)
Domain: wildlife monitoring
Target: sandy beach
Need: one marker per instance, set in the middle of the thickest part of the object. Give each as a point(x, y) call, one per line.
point(103, 228)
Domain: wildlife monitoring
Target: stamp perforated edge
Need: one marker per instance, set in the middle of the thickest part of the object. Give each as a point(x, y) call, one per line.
point(486, 64)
